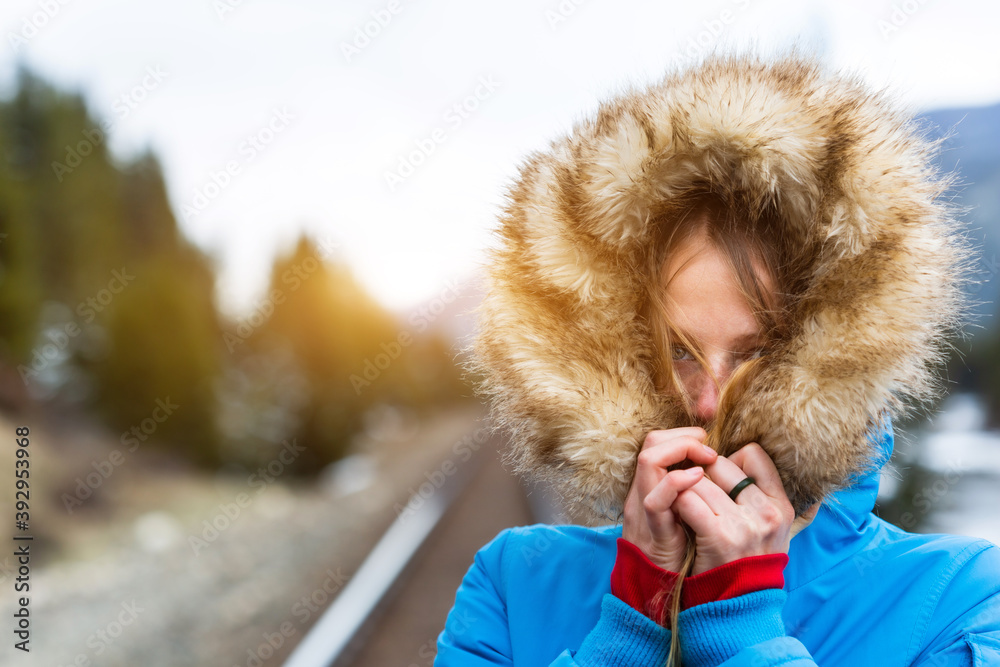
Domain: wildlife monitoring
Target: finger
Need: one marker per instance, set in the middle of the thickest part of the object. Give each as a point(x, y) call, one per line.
point(660, 436)
point(668, 447)
point(727, 474)
point(654, 460)
point(713, 496)
point(692, 510)
point(663, 495)
point(757, 464)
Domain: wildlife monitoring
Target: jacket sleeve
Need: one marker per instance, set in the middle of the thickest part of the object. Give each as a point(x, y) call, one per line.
point(744, 631)
point(476, 632)
point(959, 625)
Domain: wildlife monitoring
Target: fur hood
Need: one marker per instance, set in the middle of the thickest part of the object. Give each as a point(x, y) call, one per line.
point(564, 355)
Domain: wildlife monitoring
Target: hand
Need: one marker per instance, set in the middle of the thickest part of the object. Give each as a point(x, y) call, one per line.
point(760, 521)
point(649, 522)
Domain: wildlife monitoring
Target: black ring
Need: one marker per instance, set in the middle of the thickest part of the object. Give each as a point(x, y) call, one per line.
point(744, 483)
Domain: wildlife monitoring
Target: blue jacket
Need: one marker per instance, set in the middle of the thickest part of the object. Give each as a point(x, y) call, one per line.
point(858, 591)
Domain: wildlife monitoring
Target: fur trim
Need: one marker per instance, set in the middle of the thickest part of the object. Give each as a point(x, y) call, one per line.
point(563, 355)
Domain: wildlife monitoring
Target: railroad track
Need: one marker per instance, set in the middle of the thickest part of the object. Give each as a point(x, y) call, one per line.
point(395, 606)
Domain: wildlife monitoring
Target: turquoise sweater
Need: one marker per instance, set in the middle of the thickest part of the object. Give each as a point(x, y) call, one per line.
point(858, 591)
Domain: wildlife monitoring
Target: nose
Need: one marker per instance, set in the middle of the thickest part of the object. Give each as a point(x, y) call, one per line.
point(705, 394)
point(706, 401)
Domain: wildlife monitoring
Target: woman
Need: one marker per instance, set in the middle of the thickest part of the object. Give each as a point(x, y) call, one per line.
point(747, 255)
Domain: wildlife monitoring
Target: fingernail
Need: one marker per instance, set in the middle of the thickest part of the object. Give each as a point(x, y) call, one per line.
point(708, 449)
point(694, 472)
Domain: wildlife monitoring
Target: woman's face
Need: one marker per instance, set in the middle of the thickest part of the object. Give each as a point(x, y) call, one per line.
point(705, 303)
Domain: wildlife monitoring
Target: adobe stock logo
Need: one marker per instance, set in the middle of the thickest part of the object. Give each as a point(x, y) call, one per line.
point(57, 340)
point(123, 106)
point(220, 179)
point(104, 468)
point(420, 320)
point(363, 35)
point(32, 25)
point(457, 114)
point(899, 16)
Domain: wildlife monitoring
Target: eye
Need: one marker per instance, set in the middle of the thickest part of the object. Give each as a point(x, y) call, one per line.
point(680, 353)
point(753, 354)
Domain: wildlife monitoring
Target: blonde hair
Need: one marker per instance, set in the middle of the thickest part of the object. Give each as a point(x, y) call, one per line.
point(750, 241)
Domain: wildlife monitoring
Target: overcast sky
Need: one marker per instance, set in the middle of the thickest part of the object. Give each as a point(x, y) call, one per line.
point(272, 117)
